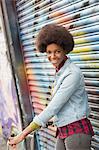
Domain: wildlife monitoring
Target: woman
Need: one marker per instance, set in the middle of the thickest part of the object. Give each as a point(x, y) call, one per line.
point(69, 102)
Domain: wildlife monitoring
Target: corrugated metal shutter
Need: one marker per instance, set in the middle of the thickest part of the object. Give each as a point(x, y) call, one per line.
point(82, 19)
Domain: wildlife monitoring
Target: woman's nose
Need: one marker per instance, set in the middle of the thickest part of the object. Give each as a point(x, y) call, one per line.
point(53, 55)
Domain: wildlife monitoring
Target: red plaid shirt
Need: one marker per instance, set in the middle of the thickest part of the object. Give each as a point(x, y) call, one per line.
point(81, 126)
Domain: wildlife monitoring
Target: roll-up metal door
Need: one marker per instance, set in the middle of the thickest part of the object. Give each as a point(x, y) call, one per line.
point(82, 19)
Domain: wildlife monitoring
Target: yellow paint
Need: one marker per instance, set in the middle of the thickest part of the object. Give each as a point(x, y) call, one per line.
point(78, 33)
point(0, 129)
point(81, 49)
point(94, 65)
point(86, 57)
point(80, 41)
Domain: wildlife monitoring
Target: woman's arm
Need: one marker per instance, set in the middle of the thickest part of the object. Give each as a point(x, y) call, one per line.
point(68, 85)
point(19, 138)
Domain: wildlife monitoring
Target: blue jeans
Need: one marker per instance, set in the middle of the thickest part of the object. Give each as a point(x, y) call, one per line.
point(74, 142)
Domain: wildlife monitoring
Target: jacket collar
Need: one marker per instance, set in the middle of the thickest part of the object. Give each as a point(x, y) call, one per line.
point(61, 64)
point(61, 74)
point(62, 69)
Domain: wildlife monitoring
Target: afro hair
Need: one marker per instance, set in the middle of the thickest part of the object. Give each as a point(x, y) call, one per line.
point(53, 33)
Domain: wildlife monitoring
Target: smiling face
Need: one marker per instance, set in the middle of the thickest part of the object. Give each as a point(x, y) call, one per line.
point(55, 54)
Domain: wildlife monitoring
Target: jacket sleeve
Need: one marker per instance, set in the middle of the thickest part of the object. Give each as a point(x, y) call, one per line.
point(68, 86)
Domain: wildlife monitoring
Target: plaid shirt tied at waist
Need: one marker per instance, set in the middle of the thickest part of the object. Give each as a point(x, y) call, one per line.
point(81, 126)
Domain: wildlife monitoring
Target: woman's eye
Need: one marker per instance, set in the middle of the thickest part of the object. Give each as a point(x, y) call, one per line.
point(55, 52)
point(58, 51)
point(49, 52)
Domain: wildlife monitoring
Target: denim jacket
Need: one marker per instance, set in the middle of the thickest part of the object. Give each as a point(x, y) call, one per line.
point(69, 101)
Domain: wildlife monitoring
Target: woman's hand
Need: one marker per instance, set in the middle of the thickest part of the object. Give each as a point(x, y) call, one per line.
point(19, 138)
point(15, 140)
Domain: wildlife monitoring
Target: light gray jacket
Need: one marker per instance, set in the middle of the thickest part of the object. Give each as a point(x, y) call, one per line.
point(69, 101)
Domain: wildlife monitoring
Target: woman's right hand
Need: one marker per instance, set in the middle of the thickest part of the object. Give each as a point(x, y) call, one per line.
point(19, 138)
point(15, 140)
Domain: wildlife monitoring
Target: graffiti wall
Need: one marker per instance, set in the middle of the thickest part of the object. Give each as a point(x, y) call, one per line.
point(9, 111)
